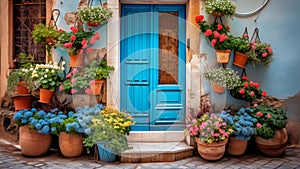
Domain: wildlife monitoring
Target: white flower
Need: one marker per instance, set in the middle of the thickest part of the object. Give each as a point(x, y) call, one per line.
point(63, 63)
point(47, 70)
point(62, 68)
point(45, 76)
point(52, 71)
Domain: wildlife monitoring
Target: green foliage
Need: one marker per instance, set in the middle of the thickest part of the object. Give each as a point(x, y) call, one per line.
point(42, 31)
point(240, 44)
point(269, 120)
point(26, 61)
point(260, 53)
point(224, 77)
point(98, 69)
point(17, 76)
point(95, 14)
point(219, 7)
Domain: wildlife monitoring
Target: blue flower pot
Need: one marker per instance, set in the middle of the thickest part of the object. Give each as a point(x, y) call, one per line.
point(105, 153)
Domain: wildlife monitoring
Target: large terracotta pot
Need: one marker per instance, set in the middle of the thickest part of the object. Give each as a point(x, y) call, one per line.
point(22, 102)
point(21, 88)
point(213, 151)
point(275, 146)
point(96, 88)
point(32, 143)
point(218, 89)
point(223, 56)
point(240, 59)
point(70, 144)
point(45, 95)
point(236, 146)
point(76, 60)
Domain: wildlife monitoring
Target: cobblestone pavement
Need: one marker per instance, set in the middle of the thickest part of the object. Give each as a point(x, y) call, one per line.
point(11, 157)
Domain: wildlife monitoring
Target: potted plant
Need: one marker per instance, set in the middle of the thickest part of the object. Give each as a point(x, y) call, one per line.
point(98, 70)
point(211, 134)
point(109, 130)
point(260, 53)
point(94, 16)
point(218, 36)
point(76, 42)
point(243, 125)
point(247, 90)
point(48, 77)
point(222, 78)
point(270, 132)
point(220, 7)
point(34, 131)
point(241, 46)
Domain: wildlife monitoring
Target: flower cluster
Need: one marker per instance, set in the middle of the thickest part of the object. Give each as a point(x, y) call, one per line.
point(242, 123)
point(224, 77)
point(268, 120)
point(38, 120)
point(216, 33)
point(220, 7)
point(209, 129)
point(260, 53)
point(95, 14)
point(247, 90)
point(77, 40)
point(48, 76)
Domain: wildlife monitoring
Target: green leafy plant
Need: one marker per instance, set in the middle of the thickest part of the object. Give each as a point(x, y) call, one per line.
point(240, 44)
point(98, 69)
point(220, 7)
point(110, 126)
point(268, 120)
point(247, 90)
point(96, 14)
point(26, 61)
point(224, 77)
point(41, 32)
point(260, 53)
point(48, 76)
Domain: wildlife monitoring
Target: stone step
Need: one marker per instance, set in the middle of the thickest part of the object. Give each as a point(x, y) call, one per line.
point(156, 136)
point(156, 152)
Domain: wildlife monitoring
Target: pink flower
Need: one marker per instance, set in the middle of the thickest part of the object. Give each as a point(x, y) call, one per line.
point(73, 29)
point(213, 42)
point(251, 83)
point(245, 78)
point(88, 91)
point(269, 116)
point(259, 114)
point(270, 50)
point(208, 32)
point(242, 91)
point(199, 18)
point(97, 36)
point(245, 35)
point(73, 37)
point(216, 34)
point(61, 87)
point(69, 75)
point(258, 125)
point(60, 30)
point(246, 85)
point(92, 41)
point(74, 71)
point(219, 27)
point(256, 85)
point(73, 80)
point(73, 91)
point(68, 45)
point(92, 82)
point(252, 93)
point(265, 54)
point(223, 37)
point(253, 47)
point(89, 50)
point(255, 105)
point(264, 93)
point(83, 41)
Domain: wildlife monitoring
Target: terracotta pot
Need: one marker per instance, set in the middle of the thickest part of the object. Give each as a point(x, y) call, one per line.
point(236, 146)
point(21, 88)
point(32, 143)
point(96, 88)
point(240, 59)
point(275, 146)
point(46, 95)
point(218, 89)
point(70, 144)
point(93, 24)
point(217, 14)
point(50, 40)
point(22, 102)
point(76, 60)
point(223, 56)
point(214, 151)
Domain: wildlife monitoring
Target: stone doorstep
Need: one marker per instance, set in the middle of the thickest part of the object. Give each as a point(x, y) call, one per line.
point(156, 152)
point(156, 136)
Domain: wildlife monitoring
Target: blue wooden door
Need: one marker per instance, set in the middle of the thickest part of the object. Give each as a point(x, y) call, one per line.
point(153, 65)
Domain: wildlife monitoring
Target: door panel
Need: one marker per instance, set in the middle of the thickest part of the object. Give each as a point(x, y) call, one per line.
point(153, 65)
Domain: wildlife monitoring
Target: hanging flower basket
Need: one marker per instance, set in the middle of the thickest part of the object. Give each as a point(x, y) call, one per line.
point(223, 56)
point(93, 24)
point(218, 89)
point(240, 59)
